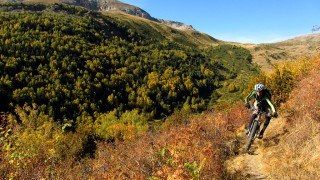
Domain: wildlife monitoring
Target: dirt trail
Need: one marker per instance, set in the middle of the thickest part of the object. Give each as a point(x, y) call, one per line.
point(255, 164)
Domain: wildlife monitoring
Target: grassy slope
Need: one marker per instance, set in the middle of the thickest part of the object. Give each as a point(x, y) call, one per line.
point(269, 54)
point(143, 25)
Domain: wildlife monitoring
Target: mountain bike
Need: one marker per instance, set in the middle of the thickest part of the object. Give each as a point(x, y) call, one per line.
point(254, 128)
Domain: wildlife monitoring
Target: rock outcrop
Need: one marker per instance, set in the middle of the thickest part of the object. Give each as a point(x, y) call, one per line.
point(177, 25)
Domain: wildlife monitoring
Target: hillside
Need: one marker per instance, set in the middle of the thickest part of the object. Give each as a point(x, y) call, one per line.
point(111, 6)
point(267, 55)
point(74, 62)
point(207, 146)
point(158, 30)
point(291, 147)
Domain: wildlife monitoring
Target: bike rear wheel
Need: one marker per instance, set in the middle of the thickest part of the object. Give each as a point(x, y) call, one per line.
point(252, 135)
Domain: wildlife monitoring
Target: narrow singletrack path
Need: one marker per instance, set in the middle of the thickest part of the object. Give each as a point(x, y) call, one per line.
point(255, 165)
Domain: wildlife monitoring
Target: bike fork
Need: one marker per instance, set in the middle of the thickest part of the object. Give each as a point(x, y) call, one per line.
point(258, 128)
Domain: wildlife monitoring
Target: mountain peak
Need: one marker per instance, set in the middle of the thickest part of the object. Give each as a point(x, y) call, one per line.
point(115, 5)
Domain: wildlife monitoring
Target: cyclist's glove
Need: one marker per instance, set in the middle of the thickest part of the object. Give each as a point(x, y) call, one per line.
point(247, 105)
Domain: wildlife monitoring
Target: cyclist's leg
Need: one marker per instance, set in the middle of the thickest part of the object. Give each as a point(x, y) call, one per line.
point(266, 123)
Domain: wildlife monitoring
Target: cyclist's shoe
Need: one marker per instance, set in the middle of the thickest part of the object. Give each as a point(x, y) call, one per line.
point(260, 136)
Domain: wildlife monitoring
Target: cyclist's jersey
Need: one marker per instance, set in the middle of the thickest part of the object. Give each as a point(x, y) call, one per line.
point(263, 99)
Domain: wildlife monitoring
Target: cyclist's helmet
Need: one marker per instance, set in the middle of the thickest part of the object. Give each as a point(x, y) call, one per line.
point(258, 87)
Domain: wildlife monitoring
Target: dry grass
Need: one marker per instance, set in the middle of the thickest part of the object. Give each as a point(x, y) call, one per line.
point(297, 154)
point(269, 54)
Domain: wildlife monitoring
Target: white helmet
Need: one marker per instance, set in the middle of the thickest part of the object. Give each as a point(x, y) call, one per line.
point(258, 87)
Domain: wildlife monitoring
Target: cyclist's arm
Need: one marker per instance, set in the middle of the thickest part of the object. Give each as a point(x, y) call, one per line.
point(271, 105)
point(249, 96)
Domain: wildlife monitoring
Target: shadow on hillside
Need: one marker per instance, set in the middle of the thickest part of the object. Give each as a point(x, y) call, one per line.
point(254, 176)
point(238, 144)
point(275, 139)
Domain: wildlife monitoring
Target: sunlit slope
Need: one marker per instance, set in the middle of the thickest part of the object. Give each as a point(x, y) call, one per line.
point(157, 30)
point(269, 54)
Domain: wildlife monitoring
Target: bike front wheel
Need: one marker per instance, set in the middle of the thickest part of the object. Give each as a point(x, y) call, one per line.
point(252, 135)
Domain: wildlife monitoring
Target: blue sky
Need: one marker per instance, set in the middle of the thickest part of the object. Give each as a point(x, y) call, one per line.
point(245, 21)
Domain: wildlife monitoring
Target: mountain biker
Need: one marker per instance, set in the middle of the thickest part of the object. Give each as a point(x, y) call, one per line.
point(262, 97)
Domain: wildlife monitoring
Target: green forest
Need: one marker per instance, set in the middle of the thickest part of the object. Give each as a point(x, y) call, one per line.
point(72, 62)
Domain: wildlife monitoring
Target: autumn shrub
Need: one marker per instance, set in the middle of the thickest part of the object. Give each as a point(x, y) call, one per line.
point(232, 88)
point(282, 81)
point(285, 77)
point(178, 117)
point(30, 146)
point(36, 145)
point(195, 149)
point(129, 125)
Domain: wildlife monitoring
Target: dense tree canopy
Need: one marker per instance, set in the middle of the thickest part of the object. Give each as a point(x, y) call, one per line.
point(73, 62)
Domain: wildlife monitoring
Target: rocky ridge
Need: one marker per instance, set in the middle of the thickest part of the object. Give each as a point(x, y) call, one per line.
point(113, 5)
